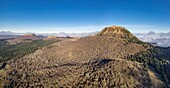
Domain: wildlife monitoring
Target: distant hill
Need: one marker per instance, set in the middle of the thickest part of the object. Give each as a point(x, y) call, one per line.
point(28, 35)
point(51, 37)
point(161, 39)
point(7, 33)
point(25, 38)
point(113, 57)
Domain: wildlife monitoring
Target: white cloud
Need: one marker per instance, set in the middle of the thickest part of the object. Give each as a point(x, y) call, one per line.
point(85, 28)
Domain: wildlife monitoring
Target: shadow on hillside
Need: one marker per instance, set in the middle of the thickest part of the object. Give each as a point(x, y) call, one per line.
point(167, 69)
point(99, 62)
point(2, 66)
point(157, 58)
point(93, 63)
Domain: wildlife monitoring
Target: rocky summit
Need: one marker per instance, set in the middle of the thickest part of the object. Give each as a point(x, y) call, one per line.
point(116, 31)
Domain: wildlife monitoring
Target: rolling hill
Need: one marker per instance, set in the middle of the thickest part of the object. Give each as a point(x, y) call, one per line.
point(111, 58)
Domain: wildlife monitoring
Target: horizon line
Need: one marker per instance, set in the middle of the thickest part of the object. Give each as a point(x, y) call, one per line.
point(85, 29)
point(30, 32)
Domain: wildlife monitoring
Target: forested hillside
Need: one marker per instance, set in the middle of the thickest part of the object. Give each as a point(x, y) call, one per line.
point(15, 51)
point(113, 57)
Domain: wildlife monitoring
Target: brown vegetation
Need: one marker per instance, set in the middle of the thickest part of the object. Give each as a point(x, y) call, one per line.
point(93, 61)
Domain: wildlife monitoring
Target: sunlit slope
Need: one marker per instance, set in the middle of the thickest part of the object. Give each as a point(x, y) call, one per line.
point(110, 58)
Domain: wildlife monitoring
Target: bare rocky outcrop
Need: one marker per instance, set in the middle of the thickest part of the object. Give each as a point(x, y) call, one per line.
point(116, 31)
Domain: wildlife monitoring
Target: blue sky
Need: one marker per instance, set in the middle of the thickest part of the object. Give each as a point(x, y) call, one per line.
point(84, 15)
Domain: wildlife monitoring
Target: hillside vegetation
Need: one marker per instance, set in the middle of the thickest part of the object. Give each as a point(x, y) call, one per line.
point(112, 58)
point(8, 51)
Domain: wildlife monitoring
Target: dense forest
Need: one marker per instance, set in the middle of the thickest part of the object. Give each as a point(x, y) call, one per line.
point(14, 51)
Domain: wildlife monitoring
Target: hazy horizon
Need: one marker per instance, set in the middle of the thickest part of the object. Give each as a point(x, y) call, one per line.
point(73, 32)
point(88, 29)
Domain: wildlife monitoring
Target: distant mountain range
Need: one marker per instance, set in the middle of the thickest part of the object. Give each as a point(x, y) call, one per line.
point(161, 39)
